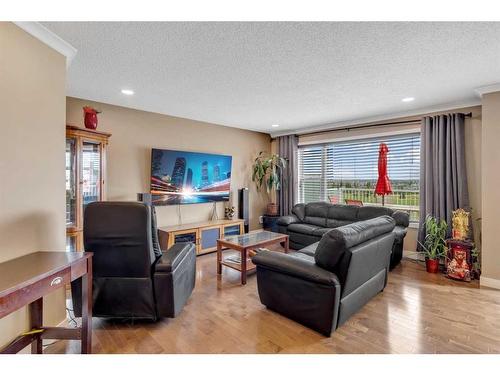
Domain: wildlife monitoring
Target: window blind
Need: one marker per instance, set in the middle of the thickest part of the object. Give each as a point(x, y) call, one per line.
point(343, 171)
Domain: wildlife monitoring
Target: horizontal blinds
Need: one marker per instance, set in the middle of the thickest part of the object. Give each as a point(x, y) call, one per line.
point(349, 170)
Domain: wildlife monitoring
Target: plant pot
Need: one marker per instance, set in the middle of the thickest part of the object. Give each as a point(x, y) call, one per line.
point(272, 209)
point(432, 265)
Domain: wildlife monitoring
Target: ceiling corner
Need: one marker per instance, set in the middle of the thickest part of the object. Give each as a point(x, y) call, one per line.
point(480, 91)
point(49, 38)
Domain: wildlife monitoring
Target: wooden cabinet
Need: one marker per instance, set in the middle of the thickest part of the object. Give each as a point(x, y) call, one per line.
point(204, 234)
point(85, 178)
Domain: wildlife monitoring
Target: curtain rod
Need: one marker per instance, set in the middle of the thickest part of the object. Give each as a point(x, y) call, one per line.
point(417, 121)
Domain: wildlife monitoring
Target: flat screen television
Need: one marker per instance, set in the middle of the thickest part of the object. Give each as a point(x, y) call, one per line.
point(180, 177)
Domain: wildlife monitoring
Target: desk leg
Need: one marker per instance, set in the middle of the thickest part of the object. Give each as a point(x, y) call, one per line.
point(87, 309)
point(36, 322)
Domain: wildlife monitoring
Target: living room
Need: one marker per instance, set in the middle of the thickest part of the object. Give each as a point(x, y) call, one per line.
point(198, 188)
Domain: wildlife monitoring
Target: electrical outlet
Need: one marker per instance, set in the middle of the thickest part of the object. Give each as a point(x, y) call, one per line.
point(261, 219)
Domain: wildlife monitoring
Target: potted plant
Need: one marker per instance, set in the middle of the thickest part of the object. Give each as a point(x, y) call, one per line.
point(268, 171)
point(434, 245)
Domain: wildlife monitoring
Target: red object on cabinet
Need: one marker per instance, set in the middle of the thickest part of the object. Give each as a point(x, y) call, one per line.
point(90, 117)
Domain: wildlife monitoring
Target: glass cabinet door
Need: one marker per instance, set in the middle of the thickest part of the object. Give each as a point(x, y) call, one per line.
point(91, 173)
point(71, 191)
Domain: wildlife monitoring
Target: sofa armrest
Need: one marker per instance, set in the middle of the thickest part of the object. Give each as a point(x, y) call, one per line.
point(295, 266)
point(287, 220)
point(402, 218)
point(170, 259)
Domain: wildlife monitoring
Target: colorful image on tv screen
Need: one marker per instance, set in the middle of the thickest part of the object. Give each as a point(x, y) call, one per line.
point(180, 177)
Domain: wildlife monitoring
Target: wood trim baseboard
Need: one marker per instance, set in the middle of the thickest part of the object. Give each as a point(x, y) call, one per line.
point(489, 282)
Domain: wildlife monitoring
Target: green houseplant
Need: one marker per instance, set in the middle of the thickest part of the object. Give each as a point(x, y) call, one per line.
point(434, 244)
point(268, 170)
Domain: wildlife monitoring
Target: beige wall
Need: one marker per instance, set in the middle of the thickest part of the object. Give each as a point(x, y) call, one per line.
point(135, 132)
point(32, 106)
point(472, 155)
point(490, 172)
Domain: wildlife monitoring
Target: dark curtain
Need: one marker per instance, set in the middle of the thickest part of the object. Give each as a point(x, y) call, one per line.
point(443, 177)
point(287, 195)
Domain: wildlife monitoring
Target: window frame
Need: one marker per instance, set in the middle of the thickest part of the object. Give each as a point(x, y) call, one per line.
point(353, 140)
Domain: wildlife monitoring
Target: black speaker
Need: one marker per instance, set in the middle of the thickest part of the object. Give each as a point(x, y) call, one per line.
point(244, 207)
point(145, 198)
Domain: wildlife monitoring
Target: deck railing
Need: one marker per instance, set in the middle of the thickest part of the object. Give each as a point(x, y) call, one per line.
point(404, 200)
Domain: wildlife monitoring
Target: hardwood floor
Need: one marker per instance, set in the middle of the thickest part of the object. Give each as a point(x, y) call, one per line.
point(417, 313)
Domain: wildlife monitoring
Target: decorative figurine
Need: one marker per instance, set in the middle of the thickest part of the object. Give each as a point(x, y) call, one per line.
point(460, 264)
point(460, 256)
point(229, 212)
point(460, 224)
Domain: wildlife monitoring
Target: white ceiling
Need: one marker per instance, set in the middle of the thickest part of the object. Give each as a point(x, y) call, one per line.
point(297, 75)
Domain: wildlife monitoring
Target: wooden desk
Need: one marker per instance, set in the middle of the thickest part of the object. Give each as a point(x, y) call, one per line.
point(26, 280)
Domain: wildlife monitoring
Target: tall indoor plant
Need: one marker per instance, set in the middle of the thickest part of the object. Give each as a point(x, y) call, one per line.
point(268, 171)
point(434, 245)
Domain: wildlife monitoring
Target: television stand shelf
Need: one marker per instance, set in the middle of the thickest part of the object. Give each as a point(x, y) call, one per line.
point(203, 234)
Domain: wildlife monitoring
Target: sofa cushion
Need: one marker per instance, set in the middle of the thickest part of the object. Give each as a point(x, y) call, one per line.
point(334, 244)
point(309, 250)
point(334, 223)
point(320, 231)
point(316, 213)
point(342, 212)
point(302, 228)
point(298, 241)
point(287, 220)
point(370, 212)
point(299, 210)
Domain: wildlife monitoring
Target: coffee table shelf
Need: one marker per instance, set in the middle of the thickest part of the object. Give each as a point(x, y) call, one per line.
point(243, 244)
point(237, 266)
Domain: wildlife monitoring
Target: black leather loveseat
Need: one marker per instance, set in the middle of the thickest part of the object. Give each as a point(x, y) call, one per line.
point(309, 222)
point(325, 283)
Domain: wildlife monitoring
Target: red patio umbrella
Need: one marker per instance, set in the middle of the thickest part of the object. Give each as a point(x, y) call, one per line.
point(383, 184)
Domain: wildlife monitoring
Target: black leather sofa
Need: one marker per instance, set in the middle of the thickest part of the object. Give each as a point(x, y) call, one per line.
point(132, 277)
point(309, 222)
point(325, 283)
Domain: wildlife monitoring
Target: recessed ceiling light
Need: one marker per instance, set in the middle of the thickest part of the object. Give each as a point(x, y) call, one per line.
point(275, 125)
point(127, 92)
point(409, 99)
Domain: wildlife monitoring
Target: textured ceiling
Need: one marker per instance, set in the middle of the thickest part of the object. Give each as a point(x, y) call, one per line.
point(298, 75)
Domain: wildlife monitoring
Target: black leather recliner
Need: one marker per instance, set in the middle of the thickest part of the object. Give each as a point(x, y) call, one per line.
point(309, 222)
point(132, 277)
point(325, 283)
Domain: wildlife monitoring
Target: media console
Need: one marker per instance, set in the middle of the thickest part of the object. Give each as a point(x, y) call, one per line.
point(203, 234)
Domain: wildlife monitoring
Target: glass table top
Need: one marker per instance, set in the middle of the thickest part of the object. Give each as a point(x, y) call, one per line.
point(251, 239)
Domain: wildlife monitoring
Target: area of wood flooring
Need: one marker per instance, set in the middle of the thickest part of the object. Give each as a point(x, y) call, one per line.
point(417, 313)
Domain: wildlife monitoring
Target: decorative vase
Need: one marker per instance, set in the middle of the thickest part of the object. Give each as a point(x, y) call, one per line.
point(229, 212)
point(432, 265)
point(272, 209)
point(90, 117)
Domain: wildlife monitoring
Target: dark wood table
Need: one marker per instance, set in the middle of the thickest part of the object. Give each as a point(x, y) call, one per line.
point(27, 279)
point(243, 243)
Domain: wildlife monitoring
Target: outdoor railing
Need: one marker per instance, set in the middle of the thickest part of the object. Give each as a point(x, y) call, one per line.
point(403, 200)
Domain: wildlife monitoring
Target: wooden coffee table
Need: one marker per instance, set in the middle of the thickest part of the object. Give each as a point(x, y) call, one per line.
point(243, 244)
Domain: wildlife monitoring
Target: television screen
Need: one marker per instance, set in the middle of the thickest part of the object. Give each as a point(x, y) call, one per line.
point(180, 177)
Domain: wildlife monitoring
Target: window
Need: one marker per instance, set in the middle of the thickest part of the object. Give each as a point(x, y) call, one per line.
point(348, 170)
